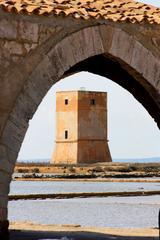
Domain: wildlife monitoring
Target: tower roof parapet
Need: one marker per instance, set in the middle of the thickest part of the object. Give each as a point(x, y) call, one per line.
point(79, 91)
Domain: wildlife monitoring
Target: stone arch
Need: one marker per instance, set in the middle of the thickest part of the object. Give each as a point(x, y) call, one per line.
point(80, 50)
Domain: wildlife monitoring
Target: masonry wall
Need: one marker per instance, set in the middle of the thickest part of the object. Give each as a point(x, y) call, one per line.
point(92, 115)
point(66, 120)
point(92, 128)
point(65, 153)
point(93, 152)
point(83, 115)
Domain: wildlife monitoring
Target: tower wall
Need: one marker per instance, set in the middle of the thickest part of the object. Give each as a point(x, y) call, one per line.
point(92, 128)
point(81, 128)
point(65, 151)
point(93, 152)
point(92, 116)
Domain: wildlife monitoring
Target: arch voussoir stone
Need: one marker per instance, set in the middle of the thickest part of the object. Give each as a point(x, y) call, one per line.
point(42, 78)
point(152, 65)
point(106, 34)
point(86, 43)
point(6, 164)
point(135, 58)
point(4, 199)
point(75, 48)
point(3, 216)
point(122, 45)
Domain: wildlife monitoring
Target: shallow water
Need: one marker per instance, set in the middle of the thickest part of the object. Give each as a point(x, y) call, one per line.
point(104, 212)
point(29, 187)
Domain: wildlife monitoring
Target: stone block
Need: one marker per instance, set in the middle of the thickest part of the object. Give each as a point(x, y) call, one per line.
point(14, 47)
point(158, 85)
point(13, 130)
point(28, 31)
point(86, 43)
point(31, 87)
point(40, 81)
point(139, 54)
point(45, 32)
point(47, 71)
point(12, 142)
point(8, 29)
point(25, 107)
point(5, 61)
point(29, 46)
point(16, 116)
point(5, 165)
point(3, 201)
point(11, 85)
point(3, 216)
point(65, 54)
point(57, 63)
point(93, 34)
point(122, 45)
point(5, 177)
point(15, 59)
point(4, 188)
point(156, 68)
point(152, 69)
point(106, 33)
point(3, 117)
point(12, 157)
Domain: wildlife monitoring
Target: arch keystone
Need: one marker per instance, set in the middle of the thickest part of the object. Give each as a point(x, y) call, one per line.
point(122, 45)
point(106, 33)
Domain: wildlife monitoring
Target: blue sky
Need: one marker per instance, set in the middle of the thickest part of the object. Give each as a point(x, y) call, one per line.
point(152, 2)
point(132, 132)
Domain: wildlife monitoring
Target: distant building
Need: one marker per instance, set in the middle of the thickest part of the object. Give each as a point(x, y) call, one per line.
point(81, 128)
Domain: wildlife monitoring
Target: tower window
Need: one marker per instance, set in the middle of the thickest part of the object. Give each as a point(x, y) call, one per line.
point(66, 101)
point(93, 102)
point(66, 134)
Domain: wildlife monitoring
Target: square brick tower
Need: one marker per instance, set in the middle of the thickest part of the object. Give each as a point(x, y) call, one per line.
point(81, 128)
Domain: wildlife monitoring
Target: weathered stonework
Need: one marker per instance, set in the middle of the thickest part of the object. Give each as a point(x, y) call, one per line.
point(84, 119)
point(18, 38)
point(36, 51)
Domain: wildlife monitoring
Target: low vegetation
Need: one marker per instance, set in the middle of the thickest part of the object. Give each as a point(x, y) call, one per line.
point(103, 170)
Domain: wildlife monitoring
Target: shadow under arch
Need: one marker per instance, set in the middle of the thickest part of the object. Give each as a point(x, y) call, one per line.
point(108, 67)
point(86, 49)
point(78, 235)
